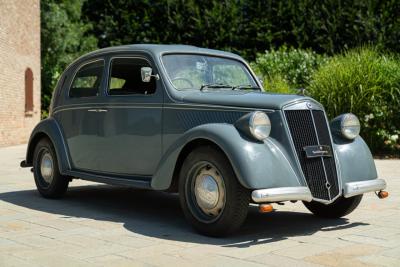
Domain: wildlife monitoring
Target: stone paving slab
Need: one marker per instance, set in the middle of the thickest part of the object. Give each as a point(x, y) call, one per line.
point(101, 225)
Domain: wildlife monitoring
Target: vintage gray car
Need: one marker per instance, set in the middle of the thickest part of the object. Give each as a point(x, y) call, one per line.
point(196, 121)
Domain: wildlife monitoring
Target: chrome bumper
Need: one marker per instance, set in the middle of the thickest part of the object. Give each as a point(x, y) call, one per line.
point(358, 188)
point(303, 193)
point(281, 194)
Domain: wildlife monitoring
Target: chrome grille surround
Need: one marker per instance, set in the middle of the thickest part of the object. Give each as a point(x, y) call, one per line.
point(326, 164)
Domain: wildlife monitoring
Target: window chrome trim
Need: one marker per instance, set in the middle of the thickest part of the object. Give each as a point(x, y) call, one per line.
point(76, 72)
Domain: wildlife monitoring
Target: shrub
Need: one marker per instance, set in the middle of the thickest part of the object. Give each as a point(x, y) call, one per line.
point(366, 83)
point(286, 69)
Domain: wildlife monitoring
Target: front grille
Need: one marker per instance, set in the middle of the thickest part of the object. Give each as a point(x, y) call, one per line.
point(310, 128)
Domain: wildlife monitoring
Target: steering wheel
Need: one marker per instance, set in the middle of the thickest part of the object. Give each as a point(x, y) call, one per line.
point(183, 79)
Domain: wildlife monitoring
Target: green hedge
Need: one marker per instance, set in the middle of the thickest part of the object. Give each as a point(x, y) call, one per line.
point(71, 28)
point(246, 26)
point(366, 83)
point(286, 69)
point(363, 81)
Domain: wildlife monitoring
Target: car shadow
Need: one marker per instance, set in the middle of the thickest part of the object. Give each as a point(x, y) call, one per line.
point(158, 214)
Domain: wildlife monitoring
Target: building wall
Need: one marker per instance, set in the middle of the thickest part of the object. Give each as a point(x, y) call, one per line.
point(19, 50)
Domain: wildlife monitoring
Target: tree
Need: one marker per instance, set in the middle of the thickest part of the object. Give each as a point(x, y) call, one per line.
point(63, 38)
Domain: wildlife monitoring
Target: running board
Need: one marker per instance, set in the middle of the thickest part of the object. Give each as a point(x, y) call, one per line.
point(143, 182)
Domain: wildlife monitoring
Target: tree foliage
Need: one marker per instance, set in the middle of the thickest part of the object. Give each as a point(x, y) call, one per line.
point(248, 27)
point(71, 28)
point(293, 66)
point(63, 38)
point(366, 83)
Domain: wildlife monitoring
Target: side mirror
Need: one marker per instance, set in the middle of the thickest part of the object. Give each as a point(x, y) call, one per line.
point(301, 91)
point(146, 74)
point(260, 80)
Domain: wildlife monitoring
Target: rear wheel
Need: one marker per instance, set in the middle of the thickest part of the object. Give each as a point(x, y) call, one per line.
point(212, 199)
point(339, 208)
point(49, 182)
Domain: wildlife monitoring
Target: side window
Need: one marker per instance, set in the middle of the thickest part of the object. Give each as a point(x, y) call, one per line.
point(126, 79)
point(87, 80)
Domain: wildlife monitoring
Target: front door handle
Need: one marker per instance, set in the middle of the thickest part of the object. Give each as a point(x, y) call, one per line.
point(97, 110)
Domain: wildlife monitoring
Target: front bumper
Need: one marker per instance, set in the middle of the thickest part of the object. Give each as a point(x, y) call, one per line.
point(358, 188)
point(304, 194)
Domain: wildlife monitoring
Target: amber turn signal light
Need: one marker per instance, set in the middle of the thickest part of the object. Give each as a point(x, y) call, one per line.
point(383, 194)
point(263, 208)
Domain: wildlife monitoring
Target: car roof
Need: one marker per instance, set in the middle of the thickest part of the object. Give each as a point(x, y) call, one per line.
point(159, 49)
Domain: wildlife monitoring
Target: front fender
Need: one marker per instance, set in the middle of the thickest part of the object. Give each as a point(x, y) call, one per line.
point(256, 164)
point(49, 128)
point(355, 160)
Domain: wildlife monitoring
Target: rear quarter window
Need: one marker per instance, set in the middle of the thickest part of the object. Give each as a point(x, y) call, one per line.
point(87, 80)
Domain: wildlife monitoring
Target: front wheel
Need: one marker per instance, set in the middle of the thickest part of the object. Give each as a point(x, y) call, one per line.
point(49, 181)
point(212, 199)
point(339, 208)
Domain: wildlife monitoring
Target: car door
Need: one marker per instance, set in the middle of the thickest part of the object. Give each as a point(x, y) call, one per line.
point(130, 129)
point(78, 116)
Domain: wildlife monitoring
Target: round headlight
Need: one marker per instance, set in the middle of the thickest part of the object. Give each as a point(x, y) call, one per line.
point(350, 126)
point(260, 125)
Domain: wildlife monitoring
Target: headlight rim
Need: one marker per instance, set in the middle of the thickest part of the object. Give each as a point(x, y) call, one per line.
point(252, 127)
point(343, 127)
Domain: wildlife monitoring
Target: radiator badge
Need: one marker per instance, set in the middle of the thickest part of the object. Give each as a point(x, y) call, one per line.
point(318, 151)
point(309, 105)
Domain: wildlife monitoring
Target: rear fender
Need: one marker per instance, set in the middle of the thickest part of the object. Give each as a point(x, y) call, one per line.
point(49, 128)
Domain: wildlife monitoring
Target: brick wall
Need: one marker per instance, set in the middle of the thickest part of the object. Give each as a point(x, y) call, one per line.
point(19, 50)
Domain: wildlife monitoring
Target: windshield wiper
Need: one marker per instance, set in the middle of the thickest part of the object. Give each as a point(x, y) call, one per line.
point(246, 86)
point(215, 85)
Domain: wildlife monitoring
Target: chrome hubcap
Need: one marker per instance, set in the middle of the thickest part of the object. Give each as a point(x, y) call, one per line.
point(209, 190)
point(46, 167)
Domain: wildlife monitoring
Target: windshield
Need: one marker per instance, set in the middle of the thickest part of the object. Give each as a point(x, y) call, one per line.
point(189, 71)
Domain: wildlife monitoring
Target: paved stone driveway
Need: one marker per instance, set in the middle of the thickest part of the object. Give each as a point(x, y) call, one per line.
point(98, 225)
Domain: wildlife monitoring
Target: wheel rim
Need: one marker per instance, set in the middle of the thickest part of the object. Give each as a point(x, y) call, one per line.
point(207, 192)
point(46, 167)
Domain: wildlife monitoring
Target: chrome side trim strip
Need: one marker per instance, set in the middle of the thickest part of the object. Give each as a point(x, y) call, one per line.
point(157, 105)
point(281, 194)
point(358, 188)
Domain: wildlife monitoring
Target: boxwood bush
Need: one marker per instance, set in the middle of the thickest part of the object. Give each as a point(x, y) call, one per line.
point(367, 83)
point(286, 69)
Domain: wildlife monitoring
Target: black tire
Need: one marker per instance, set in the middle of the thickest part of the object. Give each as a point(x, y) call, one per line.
point(339, 208)
point(56, 184)
point(236, 198)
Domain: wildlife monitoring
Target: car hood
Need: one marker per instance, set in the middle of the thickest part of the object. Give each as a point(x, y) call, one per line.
point(242, 98)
